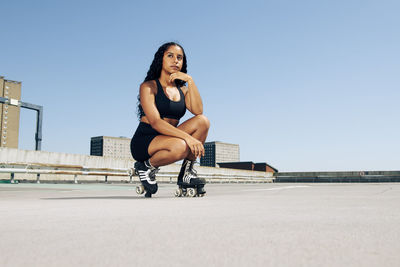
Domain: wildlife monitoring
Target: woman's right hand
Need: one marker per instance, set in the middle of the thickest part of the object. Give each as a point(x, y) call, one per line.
point(195, 146)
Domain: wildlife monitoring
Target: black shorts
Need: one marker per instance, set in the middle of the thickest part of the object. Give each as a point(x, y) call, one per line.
point(141, 141)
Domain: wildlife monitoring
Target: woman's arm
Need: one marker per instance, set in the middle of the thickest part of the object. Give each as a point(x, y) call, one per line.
point(192, 96)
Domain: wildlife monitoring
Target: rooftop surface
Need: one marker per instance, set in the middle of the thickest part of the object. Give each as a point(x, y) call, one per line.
point(233, 225)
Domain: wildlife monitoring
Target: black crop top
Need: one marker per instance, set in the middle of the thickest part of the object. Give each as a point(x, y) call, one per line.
point(166, 107)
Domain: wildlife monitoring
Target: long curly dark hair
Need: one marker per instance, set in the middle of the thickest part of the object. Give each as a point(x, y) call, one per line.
point(155, 70)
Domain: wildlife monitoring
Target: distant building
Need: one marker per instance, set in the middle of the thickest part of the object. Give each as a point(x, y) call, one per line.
point(219, 152)
point(248, 165)
point(239, 165)
point(115, 147)
point(9, 114)
point(264, 167)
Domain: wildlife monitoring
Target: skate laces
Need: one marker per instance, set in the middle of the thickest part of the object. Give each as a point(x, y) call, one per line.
point(191, 169)
point(190, 173)
point(146, 173)
point(193, 172)
point(153, 173)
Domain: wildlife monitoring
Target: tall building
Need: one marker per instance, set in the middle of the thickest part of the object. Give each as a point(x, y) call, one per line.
point(219, 152)
point(115, 147)
point(9, 114)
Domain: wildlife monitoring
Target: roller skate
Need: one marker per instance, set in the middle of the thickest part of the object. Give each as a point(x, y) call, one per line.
point(188, 183)
point(147, 177)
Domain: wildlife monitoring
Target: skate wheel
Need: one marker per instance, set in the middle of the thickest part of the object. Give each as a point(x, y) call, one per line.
point(191, 192)
point(178, 192)
point(140, 189)
point(201, 195)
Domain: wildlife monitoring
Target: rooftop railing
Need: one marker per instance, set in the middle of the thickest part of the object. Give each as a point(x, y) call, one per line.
point(127, 174)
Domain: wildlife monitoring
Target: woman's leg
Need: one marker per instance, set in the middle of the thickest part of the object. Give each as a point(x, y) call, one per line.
point(165, 150)
point(198, 128)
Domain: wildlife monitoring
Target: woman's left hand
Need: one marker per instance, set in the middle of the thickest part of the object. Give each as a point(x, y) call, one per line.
point(179, 76)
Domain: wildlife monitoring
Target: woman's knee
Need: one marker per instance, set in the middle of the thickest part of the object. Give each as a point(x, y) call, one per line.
point(180, 149)
point(203, 121)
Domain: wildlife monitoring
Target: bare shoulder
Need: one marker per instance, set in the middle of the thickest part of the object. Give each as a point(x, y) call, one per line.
point(149, 87)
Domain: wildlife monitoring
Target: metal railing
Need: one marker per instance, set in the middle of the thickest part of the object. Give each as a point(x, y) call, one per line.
point(77, 170)
point(58, 169)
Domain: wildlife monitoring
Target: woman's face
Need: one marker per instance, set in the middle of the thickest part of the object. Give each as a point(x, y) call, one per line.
point(173, 59)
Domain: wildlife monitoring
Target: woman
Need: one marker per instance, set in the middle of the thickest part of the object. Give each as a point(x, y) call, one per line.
point(163, 100)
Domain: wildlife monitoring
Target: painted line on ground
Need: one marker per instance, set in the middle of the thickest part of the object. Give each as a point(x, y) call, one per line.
point(278, 188)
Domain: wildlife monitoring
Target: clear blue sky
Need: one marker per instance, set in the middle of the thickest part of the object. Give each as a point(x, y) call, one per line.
point(301, 85)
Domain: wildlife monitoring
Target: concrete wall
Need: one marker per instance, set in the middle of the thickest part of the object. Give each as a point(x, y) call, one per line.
point(167, 173)
point(9, 155)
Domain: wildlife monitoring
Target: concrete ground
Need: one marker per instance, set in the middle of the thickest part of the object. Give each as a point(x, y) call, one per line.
point(234, 225)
